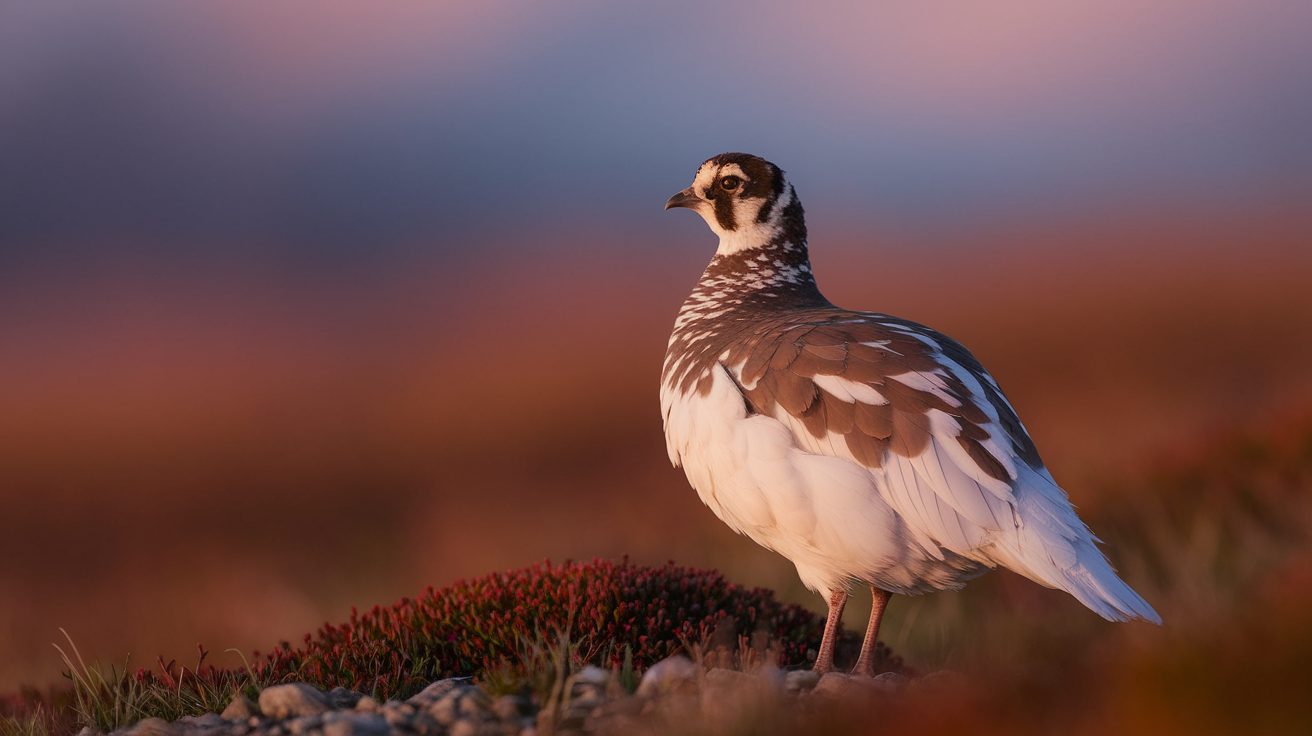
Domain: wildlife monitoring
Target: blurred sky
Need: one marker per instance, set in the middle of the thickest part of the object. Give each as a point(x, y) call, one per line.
point(318, 135)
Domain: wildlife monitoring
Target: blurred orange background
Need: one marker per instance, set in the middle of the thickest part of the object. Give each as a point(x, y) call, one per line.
point(310, 307)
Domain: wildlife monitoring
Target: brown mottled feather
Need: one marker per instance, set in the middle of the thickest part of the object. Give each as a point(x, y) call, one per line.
point(867, 450)
point(983, 458)
point(785, 353)
point(835, 352)
point(757, 361)
point(777, 353)
point(809, 364)
point(863, 371)
point(868, 354)
point(876, 421)
point(794, 393)
point(911, 433)
point(814, 418)
point(841, 414)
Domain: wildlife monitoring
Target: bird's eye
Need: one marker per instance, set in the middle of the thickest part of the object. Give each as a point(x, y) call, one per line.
point(730, 183)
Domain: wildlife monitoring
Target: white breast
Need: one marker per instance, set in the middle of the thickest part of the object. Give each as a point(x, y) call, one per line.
point(823, 513)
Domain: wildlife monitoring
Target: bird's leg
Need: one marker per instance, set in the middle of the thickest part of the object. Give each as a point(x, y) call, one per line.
point(865, 664)
point(824, 660)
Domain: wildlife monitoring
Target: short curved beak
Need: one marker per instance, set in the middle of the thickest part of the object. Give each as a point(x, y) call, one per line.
point(686, 198)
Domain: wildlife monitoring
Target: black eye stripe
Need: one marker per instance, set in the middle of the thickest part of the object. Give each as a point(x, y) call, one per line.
point(755, 178)
point(772, 195)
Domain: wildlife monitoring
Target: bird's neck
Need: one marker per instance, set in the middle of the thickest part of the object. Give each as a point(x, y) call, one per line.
point(736, 292)
point(779, 222)
point(774, 275)
point(763, 260)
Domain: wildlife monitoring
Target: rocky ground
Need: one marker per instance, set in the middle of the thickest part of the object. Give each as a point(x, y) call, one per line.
point(590, 701)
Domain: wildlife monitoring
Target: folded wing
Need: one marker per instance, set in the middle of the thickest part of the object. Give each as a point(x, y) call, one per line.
point(947, 450)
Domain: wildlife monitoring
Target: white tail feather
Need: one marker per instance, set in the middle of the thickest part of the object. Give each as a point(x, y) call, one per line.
point(1053, 547)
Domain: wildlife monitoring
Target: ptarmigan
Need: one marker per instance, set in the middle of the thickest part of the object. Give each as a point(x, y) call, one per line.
point(862, 447)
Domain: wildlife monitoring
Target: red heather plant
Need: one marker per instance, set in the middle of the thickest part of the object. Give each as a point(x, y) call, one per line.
point(613, 614)
point(523, 628)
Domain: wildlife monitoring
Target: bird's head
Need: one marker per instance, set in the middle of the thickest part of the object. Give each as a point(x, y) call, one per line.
point(746, 201)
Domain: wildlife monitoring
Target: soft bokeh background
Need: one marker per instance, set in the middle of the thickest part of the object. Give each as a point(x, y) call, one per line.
point(308, 305)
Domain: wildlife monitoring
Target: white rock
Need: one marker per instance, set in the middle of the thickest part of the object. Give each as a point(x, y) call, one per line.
point(292, 699)
point(592, 675)
point(667, 675)
point(798, 681)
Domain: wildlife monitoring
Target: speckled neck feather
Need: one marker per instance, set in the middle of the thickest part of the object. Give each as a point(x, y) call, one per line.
point(738, 291)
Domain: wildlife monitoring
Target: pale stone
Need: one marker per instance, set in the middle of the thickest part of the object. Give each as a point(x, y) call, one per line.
point(240, 709)
point(592, 675)
point(669, 674)
point(292, 699)
point(798, 681)
point(367, 704)
point(436, 691)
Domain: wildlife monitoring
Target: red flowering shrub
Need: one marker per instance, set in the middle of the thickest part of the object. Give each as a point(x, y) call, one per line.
point(606, 610)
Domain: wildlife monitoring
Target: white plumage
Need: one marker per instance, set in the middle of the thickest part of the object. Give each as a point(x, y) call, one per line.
point(829, 515)
point(773, 398)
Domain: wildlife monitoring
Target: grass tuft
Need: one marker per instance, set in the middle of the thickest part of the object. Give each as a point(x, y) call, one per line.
point(107, 698)
point(36, 723)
